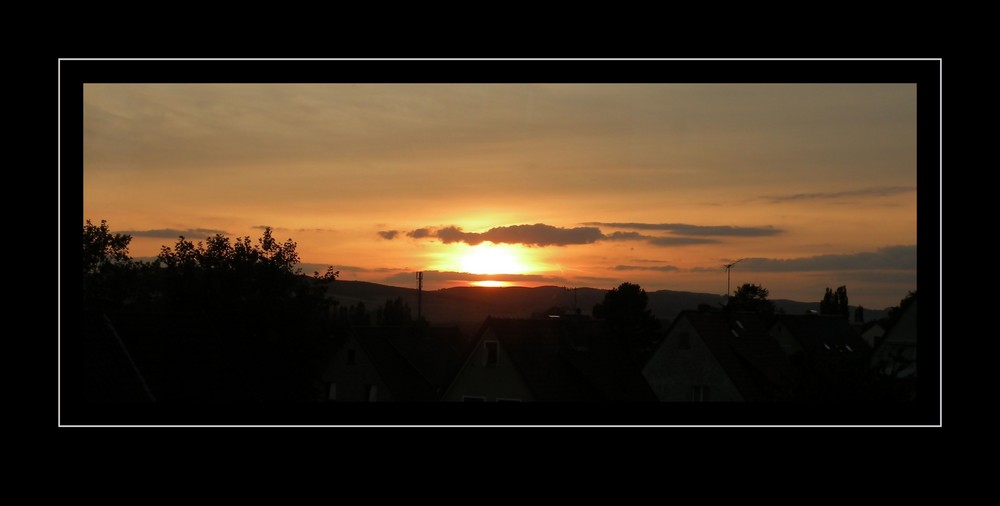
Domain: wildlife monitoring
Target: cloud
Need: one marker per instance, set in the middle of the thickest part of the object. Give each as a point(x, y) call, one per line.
point(541, 234)
point(438, 276)
point(699, 230)
point(538, 234)
point(679, 241)
point(888, 258)
point(627, 236)
point(879, 191)
point(389, 234)
point(661, 268)
point(419, 233)
point(286, 229)
point(309, 268)
point(173, 233)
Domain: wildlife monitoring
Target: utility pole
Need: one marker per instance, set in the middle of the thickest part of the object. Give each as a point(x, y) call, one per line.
point(420, 291)
point(576, 307)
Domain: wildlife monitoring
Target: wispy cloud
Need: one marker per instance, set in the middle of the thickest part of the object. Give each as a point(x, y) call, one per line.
point(627, 236)
point(442, 276)
point(698, 230)
point(879, 191)
point(314, 267)
point(172, 233)
point(661, 268)
point(286, 229)
point(887, 258)
point(679, 241)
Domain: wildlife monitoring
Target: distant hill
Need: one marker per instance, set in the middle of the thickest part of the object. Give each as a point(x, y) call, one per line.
point(474, 304)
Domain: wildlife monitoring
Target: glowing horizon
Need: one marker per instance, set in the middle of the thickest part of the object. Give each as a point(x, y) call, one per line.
point(525, 185)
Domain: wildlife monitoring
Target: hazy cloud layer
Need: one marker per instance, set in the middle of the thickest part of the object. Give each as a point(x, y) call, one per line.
point(679, 241)
point(286, 229)
point(173, 233)
point(389, 234)
point(626, 236)
point(887, 258)
point(441, 276)
point(687, 229)
point(661, 268)
point(881, 191)
point(309, 268)
point(538, 234)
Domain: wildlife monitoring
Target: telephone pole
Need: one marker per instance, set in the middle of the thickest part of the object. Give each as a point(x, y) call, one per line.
point(420, 291)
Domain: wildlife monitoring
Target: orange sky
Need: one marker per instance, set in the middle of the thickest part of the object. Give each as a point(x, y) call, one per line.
point(571, 185)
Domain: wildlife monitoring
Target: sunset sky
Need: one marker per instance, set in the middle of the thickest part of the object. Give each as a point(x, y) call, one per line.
point(570, 184)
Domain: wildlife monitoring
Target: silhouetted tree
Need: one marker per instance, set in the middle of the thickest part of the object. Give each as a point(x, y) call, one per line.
point(842, 303)
point(102, 249)
point(828, 305)
point(625, 310)
point(751, 297)
point(893, 313)
point(859, 314)
point(625, 306)
point(835, 303)
point(394, 312)
point(109, 274)
point(219, 320)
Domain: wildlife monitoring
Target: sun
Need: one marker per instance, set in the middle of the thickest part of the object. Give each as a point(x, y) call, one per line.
point(489, 258)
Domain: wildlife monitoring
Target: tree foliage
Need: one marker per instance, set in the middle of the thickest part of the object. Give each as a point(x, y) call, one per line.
point(835, 303)
point(234, 319)
point(102, 249)
point(752, 297)
point(394, 312)
point(625, 306)
point(894, 313)
point(625, 309)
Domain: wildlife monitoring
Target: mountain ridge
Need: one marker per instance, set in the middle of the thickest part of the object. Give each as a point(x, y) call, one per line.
point(473, 303)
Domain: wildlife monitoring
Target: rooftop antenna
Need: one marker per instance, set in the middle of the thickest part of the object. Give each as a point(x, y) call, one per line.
point(576, 307)
point(420, 289)
point(729, 267)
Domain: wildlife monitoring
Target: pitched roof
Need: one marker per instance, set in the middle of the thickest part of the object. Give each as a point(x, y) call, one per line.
point(107, 370)
point(413, 366)
point(750, 356)
point(825, 334)
point(569, 359)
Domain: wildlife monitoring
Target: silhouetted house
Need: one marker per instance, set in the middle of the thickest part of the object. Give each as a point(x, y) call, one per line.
point(897, 354)
point(718, 356)
point(872, 333)
point(395, 364)
point(99, 366)
point(557, 359)
point(813, 337)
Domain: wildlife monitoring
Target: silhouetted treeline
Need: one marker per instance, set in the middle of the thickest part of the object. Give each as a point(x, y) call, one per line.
point(223, 320)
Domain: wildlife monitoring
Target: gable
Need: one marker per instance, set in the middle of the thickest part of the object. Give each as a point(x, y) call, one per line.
point(489, 373)
point(676, 368)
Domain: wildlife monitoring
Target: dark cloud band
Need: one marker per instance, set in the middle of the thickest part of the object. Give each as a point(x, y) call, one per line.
point(881, 191)
point(171, 233)
point(698, 230)
point(891, 258)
